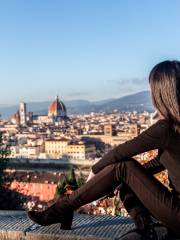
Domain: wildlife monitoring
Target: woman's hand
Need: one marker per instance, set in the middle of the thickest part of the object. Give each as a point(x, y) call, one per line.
point(91, 175)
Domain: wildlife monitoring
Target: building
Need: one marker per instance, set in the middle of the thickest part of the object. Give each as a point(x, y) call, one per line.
point(40, 185)
point(57, 109)
point(56, 148)
point(109, 130)
point(109, 138)
point(77, 150)
point(15, 118)
point(29, 152)
point(22, 117)
point(22, 113)
point(56, 113)
point(81, 150)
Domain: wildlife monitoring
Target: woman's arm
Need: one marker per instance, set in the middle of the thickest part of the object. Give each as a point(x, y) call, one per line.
point(154, 165)
point(155, 137)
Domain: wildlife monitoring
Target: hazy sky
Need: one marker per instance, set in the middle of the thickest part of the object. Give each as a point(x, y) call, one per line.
point(80, 49)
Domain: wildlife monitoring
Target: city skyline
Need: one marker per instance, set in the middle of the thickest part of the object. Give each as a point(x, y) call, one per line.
point(83, 50)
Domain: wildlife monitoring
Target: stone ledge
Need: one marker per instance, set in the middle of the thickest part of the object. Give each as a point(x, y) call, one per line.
point(15, 225)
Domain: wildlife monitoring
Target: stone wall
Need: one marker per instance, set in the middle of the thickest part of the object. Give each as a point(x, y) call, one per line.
point(14, 225)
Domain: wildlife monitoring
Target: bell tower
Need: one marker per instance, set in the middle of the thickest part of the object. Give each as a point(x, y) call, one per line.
point(22, 113)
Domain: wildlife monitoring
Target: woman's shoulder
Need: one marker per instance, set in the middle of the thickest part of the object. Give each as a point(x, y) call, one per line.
point(164, 123)
point(160, 129)
point(160, 124)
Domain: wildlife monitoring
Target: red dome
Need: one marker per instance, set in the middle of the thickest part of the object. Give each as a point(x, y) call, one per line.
point(57, 108)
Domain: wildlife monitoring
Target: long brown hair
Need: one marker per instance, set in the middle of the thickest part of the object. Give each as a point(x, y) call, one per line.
point(164, 80)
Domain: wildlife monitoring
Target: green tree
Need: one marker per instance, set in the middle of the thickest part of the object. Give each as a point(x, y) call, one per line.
point(69, 178)
point(9, 200)
point(80, 179)
point(60, 190)
point(4, 152)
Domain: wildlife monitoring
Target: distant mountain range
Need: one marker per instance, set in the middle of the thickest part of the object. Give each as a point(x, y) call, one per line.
point(140, 102)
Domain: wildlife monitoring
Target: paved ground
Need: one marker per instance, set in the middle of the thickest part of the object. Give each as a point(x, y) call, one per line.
point(15, 225)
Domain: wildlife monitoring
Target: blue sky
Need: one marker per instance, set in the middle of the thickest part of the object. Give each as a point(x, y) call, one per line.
point(80, 49)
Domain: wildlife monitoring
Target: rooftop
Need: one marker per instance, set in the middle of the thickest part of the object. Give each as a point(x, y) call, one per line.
point(15, 225)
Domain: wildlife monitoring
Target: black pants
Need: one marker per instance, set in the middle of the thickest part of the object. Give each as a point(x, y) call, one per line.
point(151, 194)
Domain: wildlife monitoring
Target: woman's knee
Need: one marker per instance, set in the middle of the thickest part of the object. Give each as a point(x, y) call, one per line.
point(121, 167)
point(125, 168)
point(129, 162)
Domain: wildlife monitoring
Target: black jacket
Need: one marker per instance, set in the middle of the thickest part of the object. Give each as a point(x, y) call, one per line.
point(159, 136)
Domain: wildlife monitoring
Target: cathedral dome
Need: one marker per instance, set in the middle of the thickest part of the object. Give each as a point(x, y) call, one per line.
point(57, 108)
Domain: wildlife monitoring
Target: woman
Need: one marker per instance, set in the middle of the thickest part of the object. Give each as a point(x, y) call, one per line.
point(150, 197)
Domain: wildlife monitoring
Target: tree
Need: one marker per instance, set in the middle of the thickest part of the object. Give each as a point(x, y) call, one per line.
point(4, 152)
point(71, 178)
point(68, 183)
point(80, 179)
point(9, 199)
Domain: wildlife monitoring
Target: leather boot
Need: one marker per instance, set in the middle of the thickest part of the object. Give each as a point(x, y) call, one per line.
point(145, 225)
point(59, 212)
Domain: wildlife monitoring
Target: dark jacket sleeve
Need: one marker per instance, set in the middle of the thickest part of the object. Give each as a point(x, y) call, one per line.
point(154, 165)
point(155, 137)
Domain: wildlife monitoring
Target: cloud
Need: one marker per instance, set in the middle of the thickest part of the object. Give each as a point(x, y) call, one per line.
point(125, 86)
point(77, 94)
point(129, 81)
